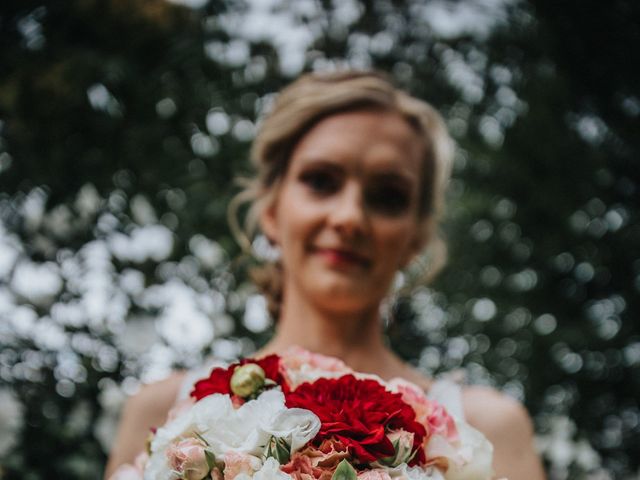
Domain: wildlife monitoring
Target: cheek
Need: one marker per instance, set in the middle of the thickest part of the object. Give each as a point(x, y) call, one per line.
point(395, 239)
point(298, 221)
point(398, 231)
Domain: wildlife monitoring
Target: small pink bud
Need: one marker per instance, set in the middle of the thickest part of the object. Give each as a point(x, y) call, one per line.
point(187, 458)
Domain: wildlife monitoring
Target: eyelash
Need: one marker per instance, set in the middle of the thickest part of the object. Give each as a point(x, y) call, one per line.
point(386, 199)
point(320, 182)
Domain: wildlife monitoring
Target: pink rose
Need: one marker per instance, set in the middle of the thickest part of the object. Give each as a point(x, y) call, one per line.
point(216, 474)
point(295, 357)
point(328, 455)
point(317, 463)
point(300, 468)
point(187, 458)
point(299, 366)
point(428, 412)
point(414, 396)
point(375, 474)
point(236, 463)
point(441, 423)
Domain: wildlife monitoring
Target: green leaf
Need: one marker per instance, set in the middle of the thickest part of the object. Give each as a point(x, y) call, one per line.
point(201, 438)
point(283, 451)
point(344, 471)
point(211, 459)
point(390, 460)
point(279, 449)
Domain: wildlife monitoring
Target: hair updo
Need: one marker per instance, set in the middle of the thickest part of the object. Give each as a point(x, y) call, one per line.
point(295, 111)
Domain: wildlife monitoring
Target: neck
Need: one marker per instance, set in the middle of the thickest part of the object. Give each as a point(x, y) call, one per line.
point(354, 337)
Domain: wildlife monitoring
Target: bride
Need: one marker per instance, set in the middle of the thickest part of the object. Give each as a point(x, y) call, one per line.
point(351, 173)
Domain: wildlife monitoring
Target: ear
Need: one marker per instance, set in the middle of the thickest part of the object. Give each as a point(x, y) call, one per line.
point(269, 222)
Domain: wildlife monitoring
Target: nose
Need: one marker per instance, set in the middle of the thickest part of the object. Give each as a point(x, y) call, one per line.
point(348, 215)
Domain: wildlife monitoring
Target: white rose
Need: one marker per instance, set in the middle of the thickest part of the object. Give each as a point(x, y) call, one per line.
point(440, 446)
point(209, 409)
point(241, 429)
point(405, 472)
point(183, 424)
point(158, 469)
point(223, 427)
point(270, 471)
point(474, 458)
point(295, 425)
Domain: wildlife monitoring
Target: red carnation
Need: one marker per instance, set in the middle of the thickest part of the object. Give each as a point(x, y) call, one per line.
point(359, 413)
point(220, 378)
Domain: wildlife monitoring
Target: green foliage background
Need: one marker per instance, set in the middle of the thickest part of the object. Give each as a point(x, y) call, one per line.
point(110, 109)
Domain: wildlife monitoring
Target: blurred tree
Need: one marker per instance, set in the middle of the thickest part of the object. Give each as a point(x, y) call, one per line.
point(154, 105)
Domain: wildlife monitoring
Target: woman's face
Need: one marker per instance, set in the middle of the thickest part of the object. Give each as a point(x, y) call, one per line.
point(345, 217)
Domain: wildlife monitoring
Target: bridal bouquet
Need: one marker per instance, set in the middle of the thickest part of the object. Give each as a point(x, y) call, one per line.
point(303, 416)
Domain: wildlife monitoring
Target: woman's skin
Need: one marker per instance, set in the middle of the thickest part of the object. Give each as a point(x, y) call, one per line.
point(346, 220)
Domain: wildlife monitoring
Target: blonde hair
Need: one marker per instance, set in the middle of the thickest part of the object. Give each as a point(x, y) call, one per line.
point(296, 110)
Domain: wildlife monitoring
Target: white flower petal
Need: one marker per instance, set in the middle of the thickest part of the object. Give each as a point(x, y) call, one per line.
point(296, 425)
point(271, 471)
point(475, 457)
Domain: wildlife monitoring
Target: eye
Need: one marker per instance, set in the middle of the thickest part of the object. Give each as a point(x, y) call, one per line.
point(387, 199)
point(320, 181)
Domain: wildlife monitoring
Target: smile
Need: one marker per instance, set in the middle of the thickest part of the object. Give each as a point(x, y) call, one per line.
point(339, 257)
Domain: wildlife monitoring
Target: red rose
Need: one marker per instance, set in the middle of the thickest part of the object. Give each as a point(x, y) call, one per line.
point(220, 378)
point(358, 413)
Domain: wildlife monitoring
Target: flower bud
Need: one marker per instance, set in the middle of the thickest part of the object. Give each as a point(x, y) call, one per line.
point(403, 445)
point(188, 459)
point(247, 380)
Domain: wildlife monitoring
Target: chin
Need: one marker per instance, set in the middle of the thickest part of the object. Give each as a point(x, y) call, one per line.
point(345, 295)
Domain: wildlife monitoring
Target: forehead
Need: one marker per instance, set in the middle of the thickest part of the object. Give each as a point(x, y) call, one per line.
point(364, 139)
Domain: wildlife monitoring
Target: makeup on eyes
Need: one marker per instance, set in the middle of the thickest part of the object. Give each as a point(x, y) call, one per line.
point(320, 180)
point(390, 198)
point(388, 193)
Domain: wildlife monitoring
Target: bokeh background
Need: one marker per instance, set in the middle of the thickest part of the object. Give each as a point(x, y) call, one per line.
point(124, 122)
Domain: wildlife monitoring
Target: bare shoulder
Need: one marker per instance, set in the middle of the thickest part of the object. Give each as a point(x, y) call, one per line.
point(146, 409)
point(507, 425)
point(493, 412)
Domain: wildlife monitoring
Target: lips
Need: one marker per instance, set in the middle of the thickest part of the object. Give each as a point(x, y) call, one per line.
point(342, 257)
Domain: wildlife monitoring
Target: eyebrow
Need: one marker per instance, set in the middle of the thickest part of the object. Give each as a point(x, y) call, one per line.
point(379, 170)
point(396, 180)
point(396, 176)
point(320, 162)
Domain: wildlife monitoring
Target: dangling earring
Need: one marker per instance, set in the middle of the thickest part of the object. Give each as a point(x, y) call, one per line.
point(386, 313)
point(386, 307)
point(399, 282)
point(264, 250)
